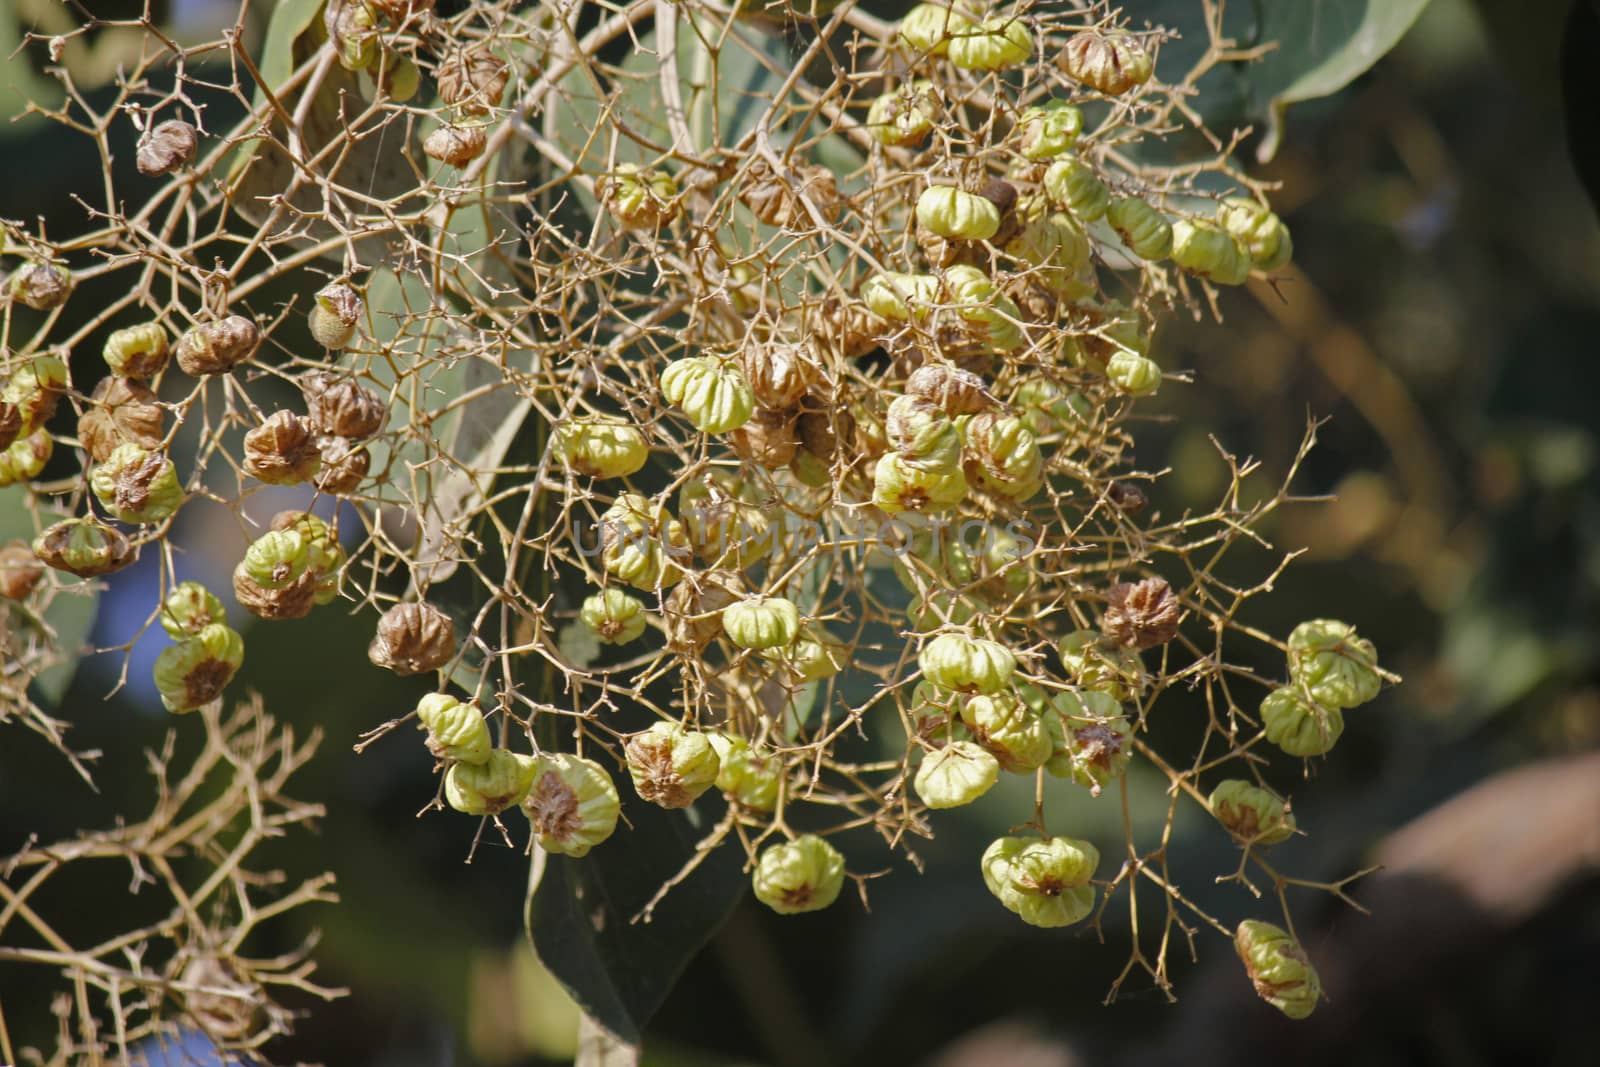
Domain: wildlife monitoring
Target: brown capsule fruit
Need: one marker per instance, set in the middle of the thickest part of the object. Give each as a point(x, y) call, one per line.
point(413, 638)
point(338, 406)
point(472, 81)
point(778, 202)
point(20, 570)
point(769, 437)
point(779, 372)
point(41, 286)
point(170, 145)
point(345, 465)
point(455, 145)
point(121, 411)
point(957, 391)
point(291, 601)
point(283, 450)
point(217, 347)
point(1141, 614)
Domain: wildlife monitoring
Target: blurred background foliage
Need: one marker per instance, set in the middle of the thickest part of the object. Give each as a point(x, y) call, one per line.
point(1442, 315)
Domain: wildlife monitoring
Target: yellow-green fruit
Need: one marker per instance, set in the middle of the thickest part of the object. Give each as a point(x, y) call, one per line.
point(725, 529)
point(967, 664)
point(1278, 968)
point(1299, 726)
point(1145, 231)
point(1134, 374)
point(898, 296)
point(749, 778)
point(922, 434)
point(639, 198)
point(905, 115)
point(1046, 882)
point(490, 787)
point(995, 45)
point(456, 731)
point(956, 774)
point(35, 389)
point(1093, 663)
point(1335, 666)
point(957, 214)
point(602, 447)
point(1203, 248)
point(572, 805)
point(1050, 130)
point(761, 622)
point(1010, 731)
point(25, 458)
point(1071, 183)
point(138, 351)
point(930, 27)
point(641, 543)
point(898, 486)
point(324, 555)
point(1262, 233)
point(812, 658)
point(1254, 815)
point(715, 396)
point(1045, 407)
point(193, 672)
point(802, 875)
point(136, 485)
point(189, 608)
point(1003, 455)
point(990, 314)
point(334, 315)
point(398, 76)
point(671, 765)
point(1095, 740)
point(277, 558)
point(85, 547)
point(613, 616)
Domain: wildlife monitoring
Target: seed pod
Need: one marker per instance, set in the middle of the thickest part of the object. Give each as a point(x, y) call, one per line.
point(989, 315)
point(725, 529)
point(1046, 883)
point(813, 657)
point(455, 145)
point(138, 351)
point(1202, 248)
point(1071, 183)
point(1300, 726)
point(923, 434)
point(955, 213)
point(335, 314)
point(671, 765)
point(41, 286)
point(641, 544)
point(1113, 63)
point(899, 297)
point(821, 431)
point(10, 423)
point(779, 372)
point(613, 616)
point(601, 447)
point(456, 731)
point(904, 115)
point(744, 776)
point(35, 389)
point(136, 485)
point(218, 347)
point(802, 875)
point(413, 638)
point(1045, 407)
point(715, 396)
point(1014, 734)
point(170, 145)
point(1058, 247)
point(573, 804)
point(930, 27)
point(1094, 663)
point(1134, 374)
point(472, 81)
point(898, 486)
point(194, 672)
point(996, 44)
point(1255, 816)
point(1141, 614)
point(337, 406)
point(1333, 664)
point(777, 202)
point(847, 328)
point(1048, 131)
point(282, 450)
point(85, 547)
point(1127, 497)
point(20, 570)
point(1278, 968)
point(761, 622)
point(638, 198)
point(490, 787)
point(120, 411)
point(352, 28)
point(966, 664)
point(1095, 743)
point(1145, 231)
point(955, 775)
point(26, 458)
point(275, 580)
point(1264, 236)
point(345, 464)
point(188, 608)
point(398, 76)
point(324, 556)
point(1003, 456)
point(956, 391)
point(693, 611)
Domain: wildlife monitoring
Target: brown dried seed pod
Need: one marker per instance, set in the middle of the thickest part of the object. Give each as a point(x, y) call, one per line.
point(171, 145)
point(692, 612)
point(293, 601)
point(121, 411)
point(337, 405)
point(282, 450)
point(942, 252)
point(473, 80)
point(1129, 498)
point(1141, 614)
point(768, 438)
point(345, 465)
point(413, 638)
point(1112, 63)
point(455, 145)
point(821, 427)
point(1003, 195)
point(10, 423)
point(848, 327)
point(778, 203)
point(41, 286)
point(958, 392)
point(20, 570)
point(779, 372)
point(218, 347)
point(1037, 303)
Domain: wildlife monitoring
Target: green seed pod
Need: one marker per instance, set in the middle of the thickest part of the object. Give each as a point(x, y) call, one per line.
point(188, 608)
point(937, 609)
point(762, 622)
point(923, 435)
point(671, 765)
point(193, 672)
point(899, 297)
point(613, 616)
point(324, 555)
point(35, 389)
point(1094, 663)
point(572, 805)
point(639, 198)
point(490, 787)
point(641, 543)
point(1145, 231)
point(25, 458)
point(41, 286)
point(905, 115)
point(1048, 131)
point(398, 76)
point(335, 315)
point(456, 731)
point(601, 447)
point(277, 558)
point(1113, 63)
point(956, 774)
point(1045, 882)
point(1299, 726)
point(995, 45)
point(967, 664)
point(898, 486)
point(1057, 245)
point(930, 28)
point(1071, 183)
point(746, 777)
point(138, 351)
point(957, 214)
point(84, 547)
point(990, 315)
point(1254, 815)
point(715, 396)
point(802, 875)
point(1010, 731)
point(811, 658)
point(1045, 407)
point(1095, 743)
point(1278, 967)
point(217, 347)
point(137, 486)
point(1203, 248)
point(1134, 374)
point(1003, 455)
point(724, 529)
point(1262, 233)
point(1333, 664)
